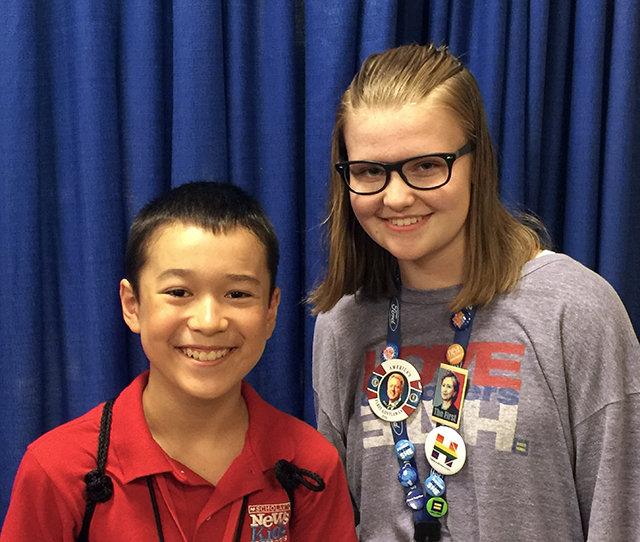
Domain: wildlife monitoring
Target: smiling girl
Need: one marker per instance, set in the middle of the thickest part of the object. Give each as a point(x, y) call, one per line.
point(429, 272)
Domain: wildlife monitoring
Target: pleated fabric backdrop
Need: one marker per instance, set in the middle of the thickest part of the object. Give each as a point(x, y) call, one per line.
point(105, 105)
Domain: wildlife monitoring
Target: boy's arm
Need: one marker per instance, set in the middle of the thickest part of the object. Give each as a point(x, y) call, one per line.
point(38, 512)
point(328, 514)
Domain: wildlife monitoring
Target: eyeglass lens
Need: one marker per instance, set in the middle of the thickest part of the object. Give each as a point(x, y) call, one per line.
point(421, 172)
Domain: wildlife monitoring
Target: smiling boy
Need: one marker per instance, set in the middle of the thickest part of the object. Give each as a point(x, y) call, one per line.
point(193, 453)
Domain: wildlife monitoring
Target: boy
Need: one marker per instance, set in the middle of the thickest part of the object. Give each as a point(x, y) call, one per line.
point(189, 451)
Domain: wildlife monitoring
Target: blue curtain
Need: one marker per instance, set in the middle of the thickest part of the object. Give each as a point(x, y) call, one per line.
point(105, 105)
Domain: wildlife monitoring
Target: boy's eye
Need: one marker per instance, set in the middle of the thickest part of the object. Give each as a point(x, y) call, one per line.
point(237, 294)
point(177, 292)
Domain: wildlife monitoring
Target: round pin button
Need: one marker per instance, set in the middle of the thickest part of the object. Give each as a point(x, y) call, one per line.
point(408, 476)
point(434, 486)
point(437, 507)
point(455, 354)
point(390, 352)
point(416, 499)
point(394, 390)
point(461, 319)
point(405, 449)
point(445, 450)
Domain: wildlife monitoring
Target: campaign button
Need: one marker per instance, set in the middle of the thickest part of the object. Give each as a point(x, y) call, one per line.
point(390, 352)
point(394, 390)
point(455, 354)
point(416, 499)
point(434, 486)
point(405, 449)
point(437, 507)
point(408, 476)
point(445, 450)
point(462, 319)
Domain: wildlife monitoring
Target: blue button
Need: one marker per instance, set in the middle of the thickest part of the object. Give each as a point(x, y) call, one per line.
point(416, 499)
point(405, 449)
point(408, 476)
point(434, 485)
point(462, 320)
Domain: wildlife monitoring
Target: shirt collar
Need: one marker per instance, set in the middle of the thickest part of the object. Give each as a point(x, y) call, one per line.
point(136, 454)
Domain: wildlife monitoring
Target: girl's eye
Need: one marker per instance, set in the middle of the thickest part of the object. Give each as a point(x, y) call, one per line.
point(367, 170)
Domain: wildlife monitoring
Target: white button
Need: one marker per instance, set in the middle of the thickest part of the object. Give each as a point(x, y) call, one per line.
point(445, 450)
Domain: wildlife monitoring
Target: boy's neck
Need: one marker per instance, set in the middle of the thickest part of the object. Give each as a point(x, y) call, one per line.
point(205, 436)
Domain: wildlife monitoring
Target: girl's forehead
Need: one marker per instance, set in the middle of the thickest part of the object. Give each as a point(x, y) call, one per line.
point(393, 133)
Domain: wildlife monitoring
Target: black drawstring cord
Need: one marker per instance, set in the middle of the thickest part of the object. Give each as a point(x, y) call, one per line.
point(243, 513)
point(291, 477)
point(99, 486)
point(156, 512)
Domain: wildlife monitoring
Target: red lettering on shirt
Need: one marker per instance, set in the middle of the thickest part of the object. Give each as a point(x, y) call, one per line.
point(482, 354)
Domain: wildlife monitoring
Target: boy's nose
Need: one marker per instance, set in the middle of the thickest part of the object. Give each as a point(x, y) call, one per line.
point(208, 317)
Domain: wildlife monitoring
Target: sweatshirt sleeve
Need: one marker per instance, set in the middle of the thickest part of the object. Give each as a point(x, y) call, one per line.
point(602, 363)
point(38, 512)
point(607, 471)
point(326, 388)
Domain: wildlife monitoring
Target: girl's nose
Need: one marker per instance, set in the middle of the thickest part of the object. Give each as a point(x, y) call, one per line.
point(398, 194)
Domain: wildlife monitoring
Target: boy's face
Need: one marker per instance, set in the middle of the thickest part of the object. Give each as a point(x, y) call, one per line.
point(203, 310)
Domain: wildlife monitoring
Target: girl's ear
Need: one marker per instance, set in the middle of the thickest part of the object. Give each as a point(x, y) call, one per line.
point(130, 306)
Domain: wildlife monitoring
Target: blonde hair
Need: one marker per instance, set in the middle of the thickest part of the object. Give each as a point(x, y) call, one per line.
point(498, 244)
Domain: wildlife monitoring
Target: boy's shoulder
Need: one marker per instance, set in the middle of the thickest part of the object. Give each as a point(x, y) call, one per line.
point(282, 436)
point(72, 443)
point(72, 447)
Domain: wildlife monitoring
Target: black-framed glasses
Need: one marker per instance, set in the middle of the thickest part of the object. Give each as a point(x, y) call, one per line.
point(425, 172)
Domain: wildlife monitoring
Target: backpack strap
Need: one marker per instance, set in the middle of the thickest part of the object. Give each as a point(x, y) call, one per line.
point(98, 485)
point(290, 477)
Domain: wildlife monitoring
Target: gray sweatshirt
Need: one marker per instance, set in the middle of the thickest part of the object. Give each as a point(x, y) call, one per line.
point(551, 420)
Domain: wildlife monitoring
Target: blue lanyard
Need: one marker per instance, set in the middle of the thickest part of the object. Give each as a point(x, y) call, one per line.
point(425, 523)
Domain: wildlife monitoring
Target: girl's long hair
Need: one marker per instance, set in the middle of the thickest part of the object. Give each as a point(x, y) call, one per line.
point(498, 244)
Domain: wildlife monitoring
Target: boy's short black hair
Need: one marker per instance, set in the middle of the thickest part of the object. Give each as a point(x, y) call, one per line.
point(217, 207)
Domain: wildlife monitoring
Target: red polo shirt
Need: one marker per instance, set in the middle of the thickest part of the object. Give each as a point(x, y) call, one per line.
point(48, 499)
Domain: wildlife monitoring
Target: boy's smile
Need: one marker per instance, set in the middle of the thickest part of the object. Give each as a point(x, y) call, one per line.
point(203, 310)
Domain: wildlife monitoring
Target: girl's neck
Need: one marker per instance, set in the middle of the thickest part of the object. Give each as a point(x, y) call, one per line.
point(417, 275)
point(438, 269)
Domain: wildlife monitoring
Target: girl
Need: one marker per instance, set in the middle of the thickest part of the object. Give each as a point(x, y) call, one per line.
point(428, 272)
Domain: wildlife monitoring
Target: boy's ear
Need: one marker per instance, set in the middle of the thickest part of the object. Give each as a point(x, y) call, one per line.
point(273, 309)
point(130, 306)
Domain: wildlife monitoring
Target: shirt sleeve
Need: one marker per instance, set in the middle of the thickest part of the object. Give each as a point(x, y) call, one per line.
point(38, 512)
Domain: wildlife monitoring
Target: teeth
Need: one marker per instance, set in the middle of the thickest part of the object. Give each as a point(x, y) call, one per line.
point(404, 221)
point(205, 356)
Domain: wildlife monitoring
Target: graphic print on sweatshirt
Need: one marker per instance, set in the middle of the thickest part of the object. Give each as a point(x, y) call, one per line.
point(491, 405)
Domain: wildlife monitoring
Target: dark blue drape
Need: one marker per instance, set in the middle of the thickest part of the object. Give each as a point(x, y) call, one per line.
point(105, 105)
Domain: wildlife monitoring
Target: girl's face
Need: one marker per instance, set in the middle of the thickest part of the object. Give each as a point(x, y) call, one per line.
point(424, 230)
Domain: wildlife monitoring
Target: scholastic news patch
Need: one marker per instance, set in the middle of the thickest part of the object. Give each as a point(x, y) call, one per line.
point(270, 522)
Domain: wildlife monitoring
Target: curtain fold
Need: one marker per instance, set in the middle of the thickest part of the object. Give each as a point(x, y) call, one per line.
point(106, 105)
